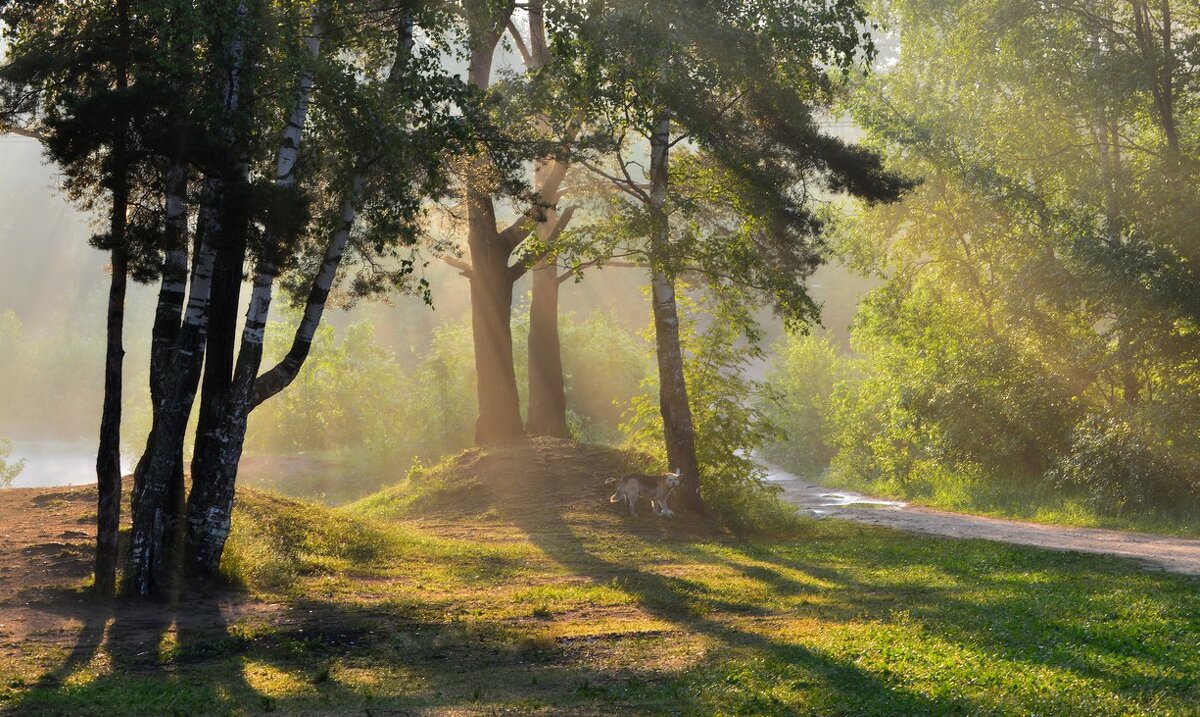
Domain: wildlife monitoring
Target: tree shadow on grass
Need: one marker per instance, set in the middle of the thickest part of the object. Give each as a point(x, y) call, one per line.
point(1045, 609)
point(825, 683)
point(126, 656)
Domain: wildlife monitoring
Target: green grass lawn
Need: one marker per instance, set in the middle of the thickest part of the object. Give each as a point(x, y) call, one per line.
point(506, 584)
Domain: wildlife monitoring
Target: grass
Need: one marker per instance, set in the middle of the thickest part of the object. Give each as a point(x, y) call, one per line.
point(504, 583)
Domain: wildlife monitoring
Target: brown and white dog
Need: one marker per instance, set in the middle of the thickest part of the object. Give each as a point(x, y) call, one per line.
point(655, 488)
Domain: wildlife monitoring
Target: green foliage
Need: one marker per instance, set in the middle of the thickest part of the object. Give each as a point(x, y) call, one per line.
point(1035, 332)
point(804, 370)
point(728, 412)
point(1123, 464)
point(356, 399)
point(604, 366)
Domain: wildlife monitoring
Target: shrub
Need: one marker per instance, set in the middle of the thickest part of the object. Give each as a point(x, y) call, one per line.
point(803, 372)
point(1120, 466)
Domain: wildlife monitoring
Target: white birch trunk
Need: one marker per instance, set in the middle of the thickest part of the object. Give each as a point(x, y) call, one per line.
point(210, 505)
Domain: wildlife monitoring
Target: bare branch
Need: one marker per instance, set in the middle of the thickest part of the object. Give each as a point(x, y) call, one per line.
point(519, 41)
point(463, 267)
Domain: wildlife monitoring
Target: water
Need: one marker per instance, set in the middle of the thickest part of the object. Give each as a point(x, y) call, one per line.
point(819, 500)
point(57, 463)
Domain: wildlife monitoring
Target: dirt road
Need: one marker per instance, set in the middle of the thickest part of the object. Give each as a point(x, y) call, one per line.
point(1178, 555)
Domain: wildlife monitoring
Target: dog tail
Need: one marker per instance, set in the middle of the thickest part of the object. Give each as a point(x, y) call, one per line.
point(613, 498)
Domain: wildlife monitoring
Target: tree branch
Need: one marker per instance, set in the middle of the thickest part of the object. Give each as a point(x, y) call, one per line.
point(463, 267)
point(518, 270)
point(519, 41)
point(31, 134)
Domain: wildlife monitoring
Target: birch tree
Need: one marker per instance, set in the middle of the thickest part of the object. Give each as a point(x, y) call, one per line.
point(394, 163)
point(742, 84)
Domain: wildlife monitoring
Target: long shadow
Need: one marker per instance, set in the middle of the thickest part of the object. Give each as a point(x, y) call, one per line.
point(848, 688)
point(1078, 627)
point(142, 642)
point(206, 656)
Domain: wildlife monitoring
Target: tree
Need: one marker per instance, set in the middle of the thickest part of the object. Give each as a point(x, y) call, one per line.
point(212, 82)
point(393, 164)
point(9, 469)
point(68, 75)
point(740, 86)
point(1037, 321)
point(491, 248)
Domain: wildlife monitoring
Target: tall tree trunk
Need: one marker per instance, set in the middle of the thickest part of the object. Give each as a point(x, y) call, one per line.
point(164, 335)
point(108, 458)
point(159, 476)
point(678, 432)
point(491, 328)
point(491, 295)
point(547, 395)
point(547, 389)
point(108, 455)
point(158, 482)
point(215, 464)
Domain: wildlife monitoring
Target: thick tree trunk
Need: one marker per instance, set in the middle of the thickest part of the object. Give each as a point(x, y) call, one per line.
point(547, 389)
point(678, 432)
point(158, 482)
point(159, 477)
point(491, 296)
point(108, 454)
point(547, 409)
point(164, 335)
point(491, 328)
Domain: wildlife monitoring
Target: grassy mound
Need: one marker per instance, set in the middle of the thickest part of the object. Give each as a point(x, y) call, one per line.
point(533, 483)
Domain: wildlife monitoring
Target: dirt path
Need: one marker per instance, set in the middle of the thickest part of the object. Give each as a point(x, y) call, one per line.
point(46, 539)
point(1177, 555)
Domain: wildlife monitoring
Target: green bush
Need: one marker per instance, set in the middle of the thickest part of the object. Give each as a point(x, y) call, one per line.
point(9, 469)
point(1119, 465)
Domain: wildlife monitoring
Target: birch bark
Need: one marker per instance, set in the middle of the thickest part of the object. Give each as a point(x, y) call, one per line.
point(214, 466)
point(679, 433)
point(158, 481)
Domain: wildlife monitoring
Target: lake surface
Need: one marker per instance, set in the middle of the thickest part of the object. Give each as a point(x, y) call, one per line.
point(50, 464)
point(56, 463)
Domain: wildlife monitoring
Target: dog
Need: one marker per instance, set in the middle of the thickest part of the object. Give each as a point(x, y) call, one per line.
point(655, 488)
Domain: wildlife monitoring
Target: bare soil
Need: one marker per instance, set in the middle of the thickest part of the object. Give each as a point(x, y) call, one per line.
point(46, 541)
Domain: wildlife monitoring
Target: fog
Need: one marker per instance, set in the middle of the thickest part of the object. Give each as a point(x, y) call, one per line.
point(52, 297)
